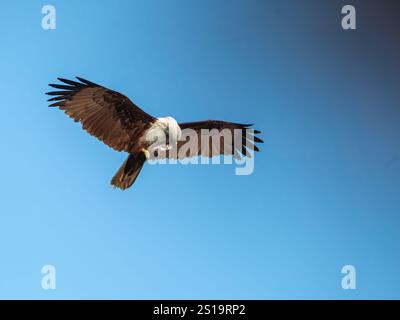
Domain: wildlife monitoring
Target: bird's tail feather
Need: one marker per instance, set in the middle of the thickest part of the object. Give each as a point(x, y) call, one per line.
point(129, 171)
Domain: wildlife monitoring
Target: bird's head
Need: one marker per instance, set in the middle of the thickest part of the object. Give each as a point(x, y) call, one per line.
point(171, 128)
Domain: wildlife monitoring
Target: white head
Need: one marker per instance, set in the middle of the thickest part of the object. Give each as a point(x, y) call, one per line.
point(171, 129)
point(164, 133)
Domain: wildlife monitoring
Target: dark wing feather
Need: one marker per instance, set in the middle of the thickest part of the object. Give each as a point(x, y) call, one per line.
point(241, 133)
point(106, 114)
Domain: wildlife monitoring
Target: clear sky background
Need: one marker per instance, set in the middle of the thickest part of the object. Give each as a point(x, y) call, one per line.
point(325, 190)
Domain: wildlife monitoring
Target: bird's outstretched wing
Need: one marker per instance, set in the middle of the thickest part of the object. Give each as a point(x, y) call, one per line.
point(106, 114)
point(213, 138)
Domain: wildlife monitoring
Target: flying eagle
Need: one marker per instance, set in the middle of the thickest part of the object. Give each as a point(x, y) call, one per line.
point(119, 123)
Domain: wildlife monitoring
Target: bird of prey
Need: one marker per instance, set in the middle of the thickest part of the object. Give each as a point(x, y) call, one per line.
point(119, 123)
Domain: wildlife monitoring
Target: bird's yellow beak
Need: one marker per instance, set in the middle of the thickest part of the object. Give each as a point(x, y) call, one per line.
point(146, 153)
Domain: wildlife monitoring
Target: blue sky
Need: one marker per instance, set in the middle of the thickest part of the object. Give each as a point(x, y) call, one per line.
point(325, 188)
